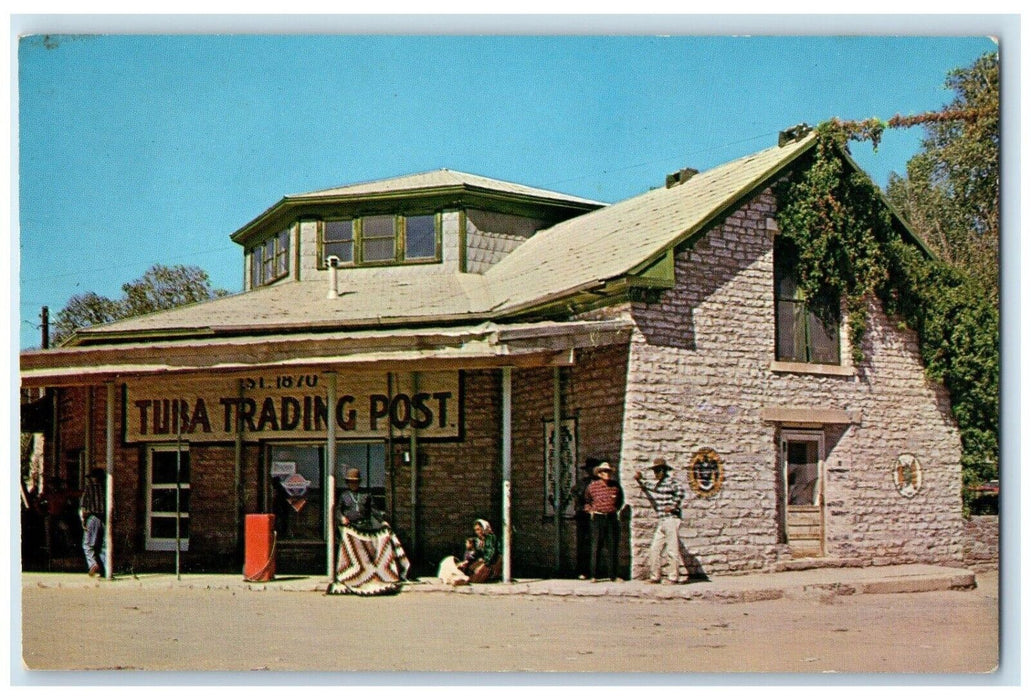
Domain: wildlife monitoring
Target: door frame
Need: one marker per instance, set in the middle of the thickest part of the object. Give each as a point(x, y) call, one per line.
point(788, 435)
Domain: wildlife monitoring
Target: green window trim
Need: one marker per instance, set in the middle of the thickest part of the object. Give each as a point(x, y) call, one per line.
point(800, 335)
point(407, 249)
point(270, 260)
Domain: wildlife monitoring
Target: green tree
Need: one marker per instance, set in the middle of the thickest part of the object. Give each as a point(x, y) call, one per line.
point(847, 248)
point(83, 311)
point(950, 193)
point(161, 287)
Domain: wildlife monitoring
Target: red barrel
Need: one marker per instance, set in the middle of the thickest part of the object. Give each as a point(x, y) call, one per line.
point(259, 551)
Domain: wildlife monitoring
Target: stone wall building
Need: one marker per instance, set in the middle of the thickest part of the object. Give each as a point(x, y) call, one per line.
point(439, 331)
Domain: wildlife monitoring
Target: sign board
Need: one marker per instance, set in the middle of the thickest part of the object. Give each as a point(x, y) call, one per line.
point(291, 406)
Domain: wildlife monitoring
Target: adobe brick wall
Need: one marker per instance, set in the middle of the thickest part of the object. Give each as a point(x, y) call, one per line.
point(592, 392)
point(981, 542)
point(459, 482)
point(215, 541)
point(700, 374)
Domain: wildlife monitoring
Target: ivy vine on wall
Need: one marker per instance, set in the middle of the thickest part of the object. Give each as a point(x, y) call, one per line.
point(849, 251)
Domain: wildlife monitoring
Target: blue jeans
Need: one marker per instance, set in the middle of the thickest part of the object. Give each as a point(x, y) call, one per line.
point(92, 540)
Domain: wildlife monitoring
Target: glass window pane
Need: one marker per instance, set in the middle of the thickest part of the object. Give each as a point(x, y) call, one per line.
point(256, 278)
point(367, 457)
point(283, 253)
point(306, 460)
point(378, 249)
point(378, 238)
point(787, 288)
point(344, 250)
point(163, 467)
point(298, 515)
point(420, 237)
point(164, 527)
point(268, 254)
point(340, 230)
point(338, 240)
point(163, 500)
point(803, 473)
point(790, 332)
point(378, 226)
point(823, 341)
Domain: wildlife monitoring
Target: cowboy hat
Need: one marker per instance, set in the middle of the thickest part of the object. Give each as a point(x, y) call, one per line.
point(603, 467)
point(353, 475)
point(660, 464)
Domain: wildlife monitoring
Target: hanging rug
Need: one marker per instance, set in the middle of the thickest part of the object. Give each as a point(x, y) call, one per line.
point(369, 562)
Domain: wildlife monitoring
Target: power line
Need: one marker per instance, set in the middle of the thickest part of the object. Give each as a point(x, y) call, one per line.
point(184, 257)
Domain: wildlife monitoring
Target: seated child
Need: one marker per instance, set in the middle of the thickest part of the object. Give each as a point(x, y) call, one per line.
point(470, 556)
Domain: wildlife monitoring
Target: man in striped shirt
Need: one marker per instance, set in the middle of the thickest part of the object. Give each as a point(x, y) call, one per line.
point(602, 500)
point(91, 511)
point(666, 496)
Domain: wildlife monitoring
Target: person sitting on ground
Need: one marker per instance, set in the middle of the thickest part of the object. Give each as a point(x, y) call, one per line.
point(486, 566)
point(470, 555)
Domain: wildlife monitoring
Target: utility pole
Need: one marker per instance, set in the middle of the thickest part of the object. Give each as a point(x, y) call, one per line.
point(45, 315)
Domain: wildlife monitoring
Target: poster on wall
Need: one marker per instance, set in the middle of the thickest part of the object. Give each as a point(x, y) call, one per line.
point(566, 467)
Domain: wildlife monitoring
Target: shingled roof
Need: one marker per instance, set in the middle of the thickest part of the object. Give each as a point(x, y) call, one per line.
point(581, 253)
point(438, 179)
point(613, 241)
point(443, 183)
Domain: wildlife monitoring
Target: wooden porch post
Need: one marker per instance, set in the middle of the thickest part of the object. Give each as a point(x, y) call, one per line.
point(109, 496)
point(331, 461)
point(506, 472)
point(556, 461)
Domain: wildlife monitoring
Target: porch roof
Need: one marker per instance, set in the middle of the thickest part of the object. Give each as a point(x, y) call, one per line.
point(478, 346)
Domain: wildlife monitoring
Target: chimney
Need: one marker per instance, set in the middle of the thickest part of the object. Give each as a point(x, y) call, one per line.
point(795, 133)
point(680, 177)
point(333, 261)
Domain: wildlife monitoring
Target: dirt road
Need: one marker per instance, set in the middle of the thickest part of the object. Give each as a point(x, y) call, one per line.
point(224, 630)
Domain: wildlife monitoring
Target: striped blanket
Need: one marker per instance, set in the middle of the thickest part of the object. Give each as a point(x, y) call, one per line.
point(369, 562)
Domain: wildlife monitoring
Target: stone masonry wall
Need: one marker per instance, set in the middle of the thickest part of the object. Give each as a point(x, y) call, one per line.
point(701, 371)
point(981, 542)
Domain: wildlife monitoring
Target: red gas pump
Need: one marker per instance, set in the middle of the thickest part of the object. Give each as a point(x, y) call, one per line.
point(259, 559)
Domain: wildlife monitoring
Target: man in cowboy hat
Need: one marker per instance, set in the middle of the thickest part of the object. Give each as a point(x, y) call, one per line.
point(355, 507)
point(602, 501)
point(583, 518)
point(666, 497)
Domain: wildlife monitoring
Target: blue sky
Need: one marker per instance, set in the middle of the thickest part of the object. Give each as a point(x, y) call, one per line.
point(137, 150)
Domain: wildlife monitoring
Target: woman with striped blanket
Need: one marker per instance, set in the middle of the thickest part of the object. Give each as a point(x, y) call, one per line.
point(370, 559)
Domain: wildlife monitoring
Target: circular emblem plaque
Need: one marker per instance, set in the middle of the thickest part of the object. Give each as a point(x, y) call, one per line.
point(705, 472)
point(907, 475)
point(295, 485)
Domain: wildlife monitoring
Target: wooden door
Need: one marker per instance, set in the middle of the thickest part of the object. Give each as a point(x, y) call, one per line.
point(802, 464)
